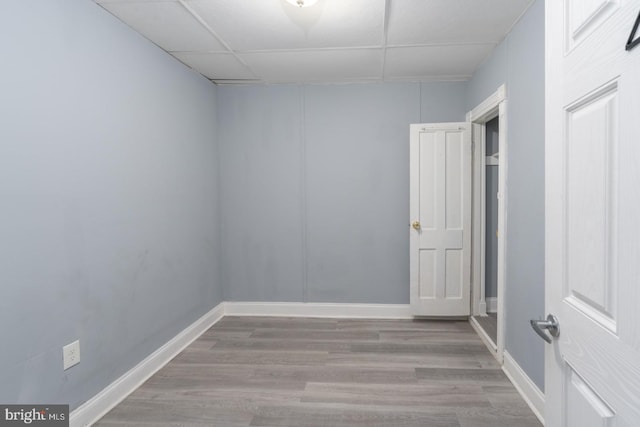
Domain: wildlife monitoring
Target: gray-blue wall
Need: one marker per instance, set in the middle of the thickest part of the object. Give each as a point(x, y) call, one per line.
point(315, 188)
point(108, 198)
point(519, 62)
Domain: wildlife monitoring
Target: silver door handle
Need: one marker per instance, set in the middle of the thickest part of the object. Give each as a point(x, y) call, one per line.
point(551, 324)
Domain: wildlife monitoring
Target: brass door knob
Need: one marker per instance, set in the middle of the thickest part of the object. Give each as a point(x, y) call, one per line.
point(416, 225)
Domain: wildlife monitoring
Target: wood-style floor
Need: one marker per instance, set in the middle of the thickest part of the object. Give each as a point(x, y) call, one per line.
point(489, 324)
point(274, 372)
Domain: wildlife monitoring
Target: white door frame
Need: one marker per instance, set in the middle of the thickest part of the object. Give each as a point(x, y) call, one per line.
point(494, 106)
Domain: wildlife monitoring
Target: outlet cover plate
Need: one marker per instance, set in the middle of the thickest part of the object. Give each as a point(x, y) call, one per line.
point(71, 354)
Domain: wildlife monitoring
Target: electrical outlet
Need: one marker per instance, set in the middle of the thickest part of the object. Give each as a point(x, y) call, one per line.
point(71, 354)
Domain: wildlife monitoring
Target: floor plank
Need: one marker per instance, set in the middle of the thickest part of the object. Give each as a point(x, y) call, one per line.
point(489, 324)
point(299, 372)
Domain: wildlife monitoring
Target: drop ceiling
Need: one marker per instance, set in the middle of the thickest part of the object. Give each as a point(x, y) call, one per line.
point(272, 41)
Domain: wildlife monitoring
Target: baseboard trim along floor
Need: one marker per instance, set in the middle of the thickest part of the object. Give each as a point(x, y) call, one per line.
point(96, 407)
point(93, 409)
point(525, 386)
point(486, 339)
point(329, 310)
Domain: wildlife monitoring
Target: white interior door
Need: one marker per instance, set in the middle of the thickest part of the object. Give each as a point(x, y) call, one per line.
point(440, 219)
point(593, 214)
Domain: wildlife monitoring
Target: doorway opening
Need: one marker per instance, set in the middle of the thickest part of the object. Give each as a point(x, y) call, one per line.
point(489, 220)
point(489, 323)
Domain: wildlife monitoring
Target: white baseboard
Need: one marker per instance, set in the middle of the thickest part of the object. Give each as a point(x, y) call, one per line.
point(492, 304)
point(527, 388)
point(96, 407)
point(300, 309)
point(482, 309)
point(484, 337)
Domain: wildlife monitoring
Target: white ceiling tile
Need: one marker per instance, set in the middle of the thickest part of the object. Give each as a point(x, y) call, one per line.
point(316, 66)
point(447, 21)
point(216, 66)
point(332, 41)
point(276, 24)
point(167, 24)
point(429, 62)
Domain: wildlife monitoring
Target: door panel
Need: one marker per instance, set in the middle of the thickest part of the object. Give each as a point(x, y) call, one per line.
point(427, 172)
point(584, 17)
point(441, 203)
point(584, 407)
point(590, 150)
point(454, 272)
point(592, 209)
point(454, 179)
point(428, 275)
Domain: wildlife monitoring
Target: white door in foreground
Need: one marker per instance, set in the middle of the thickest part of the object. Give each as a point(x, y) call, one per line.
point(592, 214)
point(440, 219)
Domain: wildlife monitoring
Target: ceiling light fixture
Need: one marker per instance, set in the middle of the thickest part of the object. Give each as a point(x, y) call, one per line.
point(302, 3)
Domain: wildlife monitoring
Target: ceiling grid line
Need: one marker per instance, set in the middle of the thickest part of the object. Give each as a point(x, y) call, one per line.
point(385, 27)
point(332, 41)
point(213, 32)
